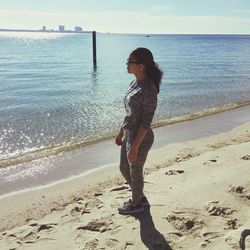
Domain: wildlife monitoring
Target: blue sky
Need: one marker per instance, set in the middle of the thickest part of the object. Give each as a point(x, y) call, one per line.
point(130, 16)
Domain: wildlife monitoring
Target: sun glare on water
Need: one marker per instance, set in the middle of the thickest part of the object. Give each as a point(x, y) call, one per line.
point(33, 35)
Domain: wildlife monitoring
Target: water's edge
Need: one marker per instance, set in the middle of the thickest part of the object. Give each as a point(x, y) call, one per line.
point(58, 149)
point(49, 171)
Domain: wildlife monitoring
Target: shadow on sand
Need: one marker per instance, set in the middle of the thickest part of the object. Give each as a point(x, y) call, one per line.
point(243, 236)
point(150, 236)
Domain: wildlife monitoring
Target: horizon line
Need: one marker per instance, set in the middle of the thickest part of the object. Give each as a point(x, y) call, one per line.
point(109, 32)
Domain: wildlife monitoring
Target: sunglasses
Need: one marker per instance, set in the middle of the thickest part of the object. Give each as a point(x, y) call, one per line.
point(130, 62)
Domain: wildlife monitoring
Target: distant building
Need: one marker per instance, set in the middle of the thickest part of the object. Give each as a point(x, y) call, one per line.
point(44, 28)
point(61, 28)
point(78, 29)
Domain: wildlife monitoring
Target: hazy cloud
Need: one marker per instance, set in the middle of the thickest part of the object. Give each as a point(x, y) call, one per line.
point(126, 22)
point(160, 8)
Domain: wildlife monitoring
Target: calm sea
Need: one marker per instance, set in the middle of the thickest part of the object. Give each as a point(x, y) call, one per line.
point(53, 100)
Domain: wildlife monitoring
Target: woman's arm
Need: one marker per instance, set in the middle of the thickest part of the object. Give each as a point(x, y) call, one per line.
point(149, 104)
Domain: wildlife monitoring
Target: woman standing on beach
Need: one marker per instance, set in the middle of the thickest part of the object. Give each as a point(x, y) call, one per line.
point(136, 136)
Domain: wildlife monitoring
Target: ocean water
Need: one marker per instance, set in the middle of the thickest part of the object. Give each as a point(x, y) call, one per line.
point(53, 100)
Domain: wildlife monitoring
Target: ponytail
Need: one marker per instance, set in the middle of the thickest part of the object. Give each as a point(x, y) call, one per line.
point(155, 74)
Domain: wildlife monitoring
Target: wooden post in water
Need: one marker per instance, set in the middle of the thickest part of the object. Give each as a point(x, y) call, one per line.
point(94, 48)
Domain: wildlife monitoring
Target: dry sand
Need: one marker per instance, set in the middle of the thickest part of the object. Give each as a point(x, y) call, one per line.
point(199, 194)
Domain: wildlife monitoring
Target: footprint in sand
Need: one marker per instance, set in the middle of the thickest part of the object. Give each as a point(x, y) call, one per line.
point(246, 158)
point(215, 209)
point(111, 243)
point(236, 189)
point(174, 172)
point(91, 244)
point(210, 236)
point(232, 224)
point(29, 234)
point(98, 225)
point(94, 203)
point(45, 230)
point(76, 211)
point(22, 235)
point(241, 191)
point(186, 221)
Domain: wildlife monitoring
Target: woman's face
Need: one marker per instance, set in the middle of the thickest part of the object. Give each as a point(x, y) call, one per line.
point(132, 65)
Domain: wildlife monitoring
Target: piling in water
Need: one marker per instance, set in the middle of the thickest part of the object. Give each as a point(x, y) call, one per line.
point(94, 48)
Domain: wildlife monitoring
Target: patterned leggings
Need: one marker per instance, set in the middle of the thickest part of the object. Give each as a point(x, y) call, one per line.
point(133, 173)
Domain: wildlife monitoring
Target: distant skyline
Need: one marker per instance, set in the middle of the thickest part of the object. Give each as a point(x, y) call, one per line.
point(141, 16)
point(60, 29)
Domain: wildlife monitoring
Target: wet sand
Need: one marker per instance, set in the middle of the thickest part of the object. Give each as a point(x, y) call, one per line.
point(55, 169)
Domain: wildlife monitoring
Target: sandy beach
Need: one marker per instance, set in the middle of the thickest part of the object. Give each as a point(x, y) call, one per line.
point(199, 194)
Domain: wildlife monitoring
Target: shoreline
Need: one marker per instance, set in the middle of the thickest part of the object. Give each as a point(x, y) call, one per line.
point(51, 217)
point(50, 151)
point(78, 162)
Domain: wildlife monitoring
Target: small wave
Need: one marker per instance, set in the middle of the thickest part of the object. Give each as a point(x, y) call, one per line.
point(67, 147)
point(199, 114)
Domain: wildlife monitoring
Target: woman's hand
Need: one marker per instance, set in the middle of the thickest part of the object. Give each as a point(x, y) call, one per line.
point(132, 154)
point(118, 139)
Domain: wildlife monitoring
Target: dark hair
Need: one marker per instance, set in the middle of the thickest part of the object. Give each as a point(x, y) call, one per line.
point(145, 57)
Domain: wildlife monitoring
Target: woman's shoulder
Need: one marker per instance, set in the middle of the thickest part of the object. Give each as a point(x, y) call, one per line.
point(132, 82)
point(149, 85)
